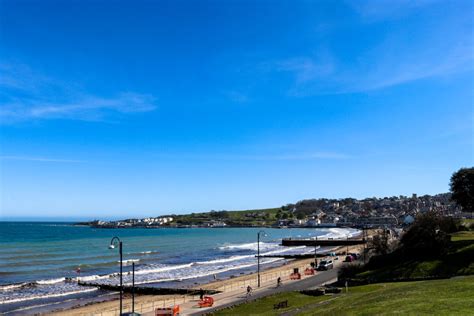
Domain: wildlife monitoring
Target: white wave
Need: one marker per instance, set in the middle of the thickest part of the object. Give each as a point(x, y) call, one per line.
point(29, 298)
point(95, 277)
point(223, 260)
point(14, 311)
point(156, 273)
point(137, 272)
point(129, 261)
point(340, 233)
point(247, 246)
point(206, 273)
point(205, 268)
point(9, 287)
point(163, 269)
point(51, 281)
point(282, 249)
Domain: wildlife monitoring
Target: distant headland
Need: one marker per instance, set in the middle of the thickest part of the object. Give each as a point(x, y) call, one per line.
point(347, 212)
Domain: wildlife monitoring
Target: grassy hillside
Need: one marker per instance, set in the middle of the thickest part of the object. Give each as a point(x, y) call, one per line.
point(446, 297)
point(259, 217)
point(458, 261)
point(463, 235)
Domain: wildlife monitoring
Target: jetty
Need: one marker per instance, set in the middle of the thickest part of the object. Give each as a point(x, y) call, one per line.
point(313, 242)
point(297, 256)
point(148, 290)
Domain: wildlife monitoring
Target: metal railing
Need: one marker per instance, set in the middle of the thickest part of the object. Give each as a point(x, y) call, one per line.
point(266, 279)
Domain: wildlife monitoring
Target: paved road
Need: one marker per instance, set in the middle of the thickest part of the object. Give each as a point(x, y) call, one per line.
point(308, 282)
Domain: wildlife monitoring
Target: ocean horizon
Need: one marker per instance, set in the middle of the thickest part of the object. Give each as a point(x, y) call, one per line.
point(62, 219)
point(39, 259)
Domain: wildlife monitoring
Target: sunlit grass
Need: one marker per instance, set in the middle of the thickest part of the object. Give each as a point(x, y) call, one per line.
point(437, 297)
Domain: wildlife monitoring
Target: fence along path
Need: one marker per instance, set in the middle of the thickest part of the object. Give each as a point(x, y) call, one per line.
point(267, 279)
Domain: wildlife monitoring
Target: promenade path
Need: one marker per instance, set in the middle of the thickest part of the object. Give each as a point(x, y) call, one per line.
point(238, 296)
point(230, 299)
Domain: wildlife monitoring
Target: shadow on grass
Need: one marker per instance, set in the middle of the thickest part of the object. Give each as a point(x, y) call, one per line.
point(397, 266)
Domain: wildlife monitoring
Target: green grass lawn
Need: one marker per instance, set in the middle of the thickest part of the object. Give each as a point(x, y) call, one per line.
point(436, 297)
point(264, 306)
point(468, 221)
point(463, 235)
point(458, 261)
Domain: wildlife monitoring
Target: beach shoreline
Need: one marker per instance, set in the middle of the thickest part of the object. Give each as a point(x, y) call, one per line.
point(212, 263)
point(150, 302)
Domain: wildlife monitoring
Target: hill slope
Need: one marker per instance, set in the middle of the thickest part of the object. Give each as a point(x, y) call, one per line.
point(436, 297)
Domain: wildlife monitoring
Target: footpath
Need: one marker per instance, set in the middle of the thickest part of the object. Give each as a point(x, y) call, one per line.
point(268, 287)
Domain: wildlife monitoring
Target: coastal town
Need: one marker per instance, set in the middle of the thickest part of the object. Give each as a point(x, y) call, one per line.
point(396, 211)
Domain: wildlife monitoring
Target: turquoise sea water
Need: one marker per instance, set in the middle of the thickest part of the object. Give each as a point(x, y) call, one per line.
point(36, 258)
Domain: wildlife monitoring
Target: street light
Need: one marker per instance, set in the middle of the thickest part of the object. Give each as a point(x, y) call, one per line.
point(258, 256)
point(315, 256)
point(113, 244)
point(347, 246)
point(133, 287)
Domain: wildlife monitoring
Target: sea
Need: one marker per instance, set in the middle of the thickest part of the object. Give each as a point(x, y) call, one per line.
point(41, 262)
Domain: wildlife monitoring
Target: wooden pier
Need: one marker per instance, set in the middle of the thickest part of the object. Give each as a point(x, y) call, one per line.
point(310, 242)
point(148, 290)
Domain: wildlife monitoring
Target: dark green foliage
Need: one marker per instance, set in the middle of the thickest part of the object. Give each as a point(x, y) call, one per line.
point(380, 244)
point(462, 188)
point(425, 251)
point(300, 216)
point(428, 236)
point(348, 271)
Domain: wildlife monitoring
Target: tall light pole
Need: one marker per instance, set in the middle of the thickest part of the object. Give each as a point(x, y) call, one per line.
point(347, 245)
point(113, 244)
point(315, 256)
point(365, 243)
point(258, 256)
point(133, 287)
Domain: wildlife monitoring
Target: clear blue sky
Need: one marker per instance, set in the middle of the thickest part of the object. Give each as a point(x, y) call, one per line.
point(150, 107)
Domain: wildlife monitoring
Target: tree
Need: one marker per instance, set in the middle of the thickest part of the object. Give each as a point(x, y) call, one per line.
point(279, 214)
point(428, 236)
point(300, 215)
point(380, 244)
point(462, 188)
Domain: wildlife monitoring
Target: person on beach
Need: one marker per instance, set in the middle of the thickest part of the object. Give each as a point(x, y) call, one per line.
point(278, 281)
point(249, 291)
point(201, 293)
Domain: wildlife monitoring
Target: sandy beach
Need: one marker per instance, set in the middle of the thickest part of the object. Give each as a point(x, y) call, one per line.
point(147, 303)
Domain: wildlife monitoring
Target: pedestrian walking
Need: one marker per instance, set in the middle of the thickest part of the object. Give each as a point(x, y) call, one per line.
point(249, 291)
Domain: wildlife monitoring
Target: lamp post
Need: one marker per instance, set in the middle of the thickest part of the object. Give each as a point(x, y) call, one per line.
point(315, 256)
point(258, 256)
point(133, 287)
point(113, 244)
point(365, 242)
point(347, 246)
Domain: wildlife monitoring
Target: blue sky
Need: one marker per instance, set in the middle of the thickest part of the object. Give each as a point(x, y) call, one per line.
point(112, 108)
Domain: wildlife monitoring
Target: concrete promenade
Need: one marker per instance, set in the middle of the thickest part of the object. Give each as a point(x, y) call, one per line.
point(238, 295)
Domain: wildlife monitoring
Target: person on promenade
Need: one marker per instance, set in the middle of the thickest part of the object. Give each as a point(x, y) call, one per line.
point(249, 291)
point(278, 281)
point(201, 293)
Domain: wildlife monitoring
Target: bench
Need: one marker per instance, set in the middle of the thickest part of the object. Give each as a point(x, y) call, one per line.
point(309, 271)
point(207, 301)
point(170, 311)
point(283, 304)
